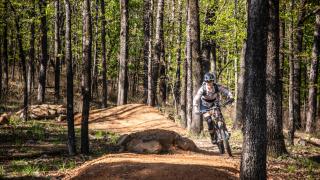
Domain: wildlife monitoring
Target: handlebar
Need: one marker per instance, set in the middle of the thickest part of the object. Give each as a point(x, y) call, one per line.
point(218, 105)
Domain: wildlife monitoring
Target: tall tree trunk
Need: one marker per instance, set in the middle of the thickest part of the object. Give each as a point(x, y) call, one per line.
point(1, 71)
point(177, 85)
point(147, 38)
point(297, 65)
point(195, 51)
point(253, 160)
point(276, 146)
point(123, 70)
point(86, 78)
point(31, 69)
point(44, 52)
point(5, 48)
point(239, 114)
point(292, 117)
point(188, 70)
point(104, 59)
point(151, 92)
point(160, 64)
point(57, 48)
point(70, 119)
point(183, 99)
point(23, 65)
point(95, 56)
point(314, 69)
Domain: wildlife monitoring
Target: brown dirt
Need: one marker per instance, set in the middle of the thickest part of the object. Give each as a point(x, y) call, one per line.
point(206, 164)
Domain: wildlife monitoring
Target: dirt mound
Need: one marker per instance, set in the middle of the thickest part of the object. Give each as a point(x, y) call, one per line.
point(44, 111)
point(156, 141)
point(144, 129)
point(175, 166)
point(129, 118)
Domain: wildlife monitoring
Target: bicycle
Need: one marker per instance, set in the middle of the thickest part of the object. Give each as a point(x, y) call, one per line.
point(219, 125)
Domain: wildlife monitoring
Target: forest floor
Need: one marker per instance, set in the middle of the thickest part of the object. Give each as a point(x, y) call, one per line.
point(36, 149)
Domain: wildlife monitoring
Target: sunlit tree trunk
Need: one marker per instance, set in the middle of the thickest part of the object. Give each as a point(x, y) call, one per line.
point(123, 70)
point(195, 62)
point(44, 52)
point(31, 69)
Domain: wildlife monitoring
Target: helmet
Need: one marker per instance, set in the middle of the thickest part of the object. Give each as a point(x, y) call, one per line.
point(209, 77)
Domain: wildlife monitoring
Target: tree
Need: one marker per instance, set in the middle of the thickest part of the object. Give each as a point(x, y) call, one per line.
point(147, 38)
point(31, 69)
point(239, 114)
point(57, 50)
point(253, 160)
point(276, 146)
point(95, 56)
point(123, 69)
point(314, 69)
point(196, 63)
point(159, 54)
point(44, 52)
point(86, 77)
point(5, 47)
point(70, 118)
point(104, 59)
point(177, 84)
point(22, 64)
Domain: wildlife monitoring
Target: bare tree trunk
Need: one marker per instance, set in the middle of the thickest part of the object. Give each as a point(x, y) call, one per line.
point(197, 72)
point(188, 70)
point(86, 81)
point(297, 65)
point(276, 146)
point(183, 100)
point(70, 119)
point(151, 92)
point(23, 65)
point(292, 118)
point(123, 70)
point(44, 52)
point(104, 60)
point(95, 57)
point(159, 53)
point(1, 72)
point(177, 85)
point(314, 69)
point(5, 49)
point(147, 38)
point(31, 69)
point(239, 114)
point(57, 47)
point(253, 160)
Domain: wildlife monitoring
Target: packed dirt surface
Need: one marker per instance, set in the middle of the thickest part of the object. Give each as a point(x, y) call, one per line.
point(128, 119)
point(203, 164)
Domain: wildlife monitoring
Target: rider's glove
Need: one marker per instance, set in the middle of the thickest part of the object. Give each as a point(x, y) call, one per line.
point(196, 109)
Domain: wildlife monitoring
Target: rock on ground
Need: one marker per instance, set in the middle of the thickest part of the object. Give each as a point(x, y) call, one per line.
point(155, 141)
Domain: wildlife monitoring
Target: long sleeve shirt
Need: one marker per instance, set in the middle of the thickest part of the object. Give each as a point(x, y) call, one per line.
point(208, 98)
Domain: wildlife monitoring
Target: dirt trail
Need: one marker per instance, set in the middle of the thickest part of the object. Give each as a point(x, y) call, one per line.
point(207, 164)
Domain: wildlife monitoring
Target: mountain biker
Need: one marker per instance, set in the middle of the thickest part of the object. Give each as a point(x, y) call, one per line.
point(208, 96)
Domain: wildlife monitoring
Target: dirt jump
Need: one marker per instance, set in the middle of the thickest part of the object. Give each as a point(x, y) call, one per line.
point(167, 152)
